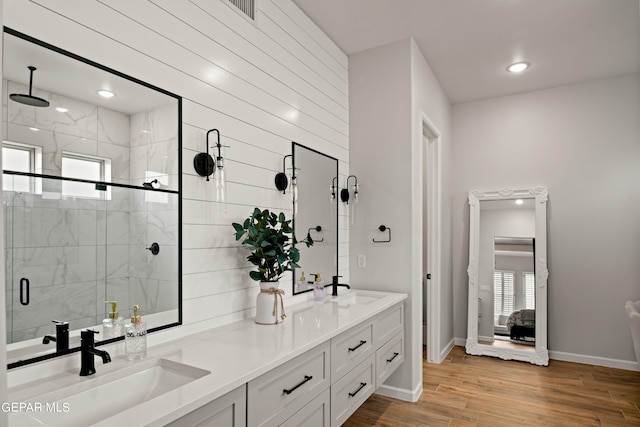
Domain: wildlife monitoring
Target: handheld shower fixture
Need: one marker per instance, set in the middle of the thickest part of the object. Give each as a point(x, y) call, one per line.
point(34, 101)
point(149, 184)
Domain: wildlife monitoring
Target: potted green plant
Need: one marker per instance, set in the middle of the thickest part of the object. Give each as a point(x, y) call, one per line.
point(272, 243)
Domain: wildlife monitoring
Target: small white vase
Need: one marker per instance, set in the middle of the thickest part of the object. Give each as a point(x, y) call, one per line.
point(269, 304)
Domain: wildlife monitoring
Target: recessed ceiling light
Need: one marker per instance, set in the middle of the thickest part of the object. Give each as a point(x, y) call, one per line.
point(106, 93)
point(34, 129)
point(518, 67)
point(62, 109)
point(519, 202)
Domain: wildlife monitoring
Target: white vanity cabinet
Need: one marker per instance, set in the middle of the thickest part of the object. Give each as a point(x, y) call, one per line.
point(229, 410)
point(362, 358)
point(328, 383)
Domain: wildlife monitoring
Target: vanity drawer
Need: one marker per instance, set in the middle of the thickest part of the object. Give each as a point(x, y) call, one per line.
point(273, 397)
point(388, 323)
point(352, 390)
point(389, 357)
point(349, 349)
point(229, 410)
point(316, 413)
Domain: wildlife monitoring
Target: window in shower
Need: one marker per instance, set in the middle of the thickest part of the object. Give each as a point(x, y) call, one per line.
point(87, 168)
point(21, 158)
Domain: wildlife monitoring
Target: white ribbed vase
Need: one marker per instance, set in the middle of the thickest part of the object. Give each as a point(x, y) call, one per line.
point(269, 304)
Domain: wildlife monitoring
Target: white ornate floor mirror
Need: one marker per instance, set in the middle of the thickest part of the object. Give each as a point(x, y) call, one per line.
point(507, 315)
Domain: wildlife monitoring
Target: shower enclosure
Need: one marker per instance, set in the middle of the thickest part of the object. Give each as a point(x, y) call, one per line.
point(73, 244)
point(92, 197)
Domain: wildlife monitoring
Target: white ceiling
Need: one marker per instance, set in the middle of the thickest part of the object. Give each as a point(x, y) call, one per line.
point(469, 43)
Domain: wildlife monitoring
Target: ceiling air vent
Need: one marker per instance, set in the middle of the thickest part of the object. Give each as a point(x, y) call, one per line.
point(246, 6)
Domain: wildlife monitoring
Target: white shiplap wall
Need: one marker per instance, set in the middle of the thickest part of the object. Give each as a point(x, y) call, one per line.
point(263, 84)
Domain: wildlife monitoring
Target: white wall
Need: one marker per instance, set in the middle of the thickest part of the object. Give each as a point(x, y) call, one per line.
point(388, 88)
point(582, 141)
point(262, 84)
point(429, 99)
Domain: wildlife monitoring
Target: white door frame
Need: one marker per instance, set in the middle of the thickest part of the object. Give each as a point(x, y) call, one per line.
point(430, 144)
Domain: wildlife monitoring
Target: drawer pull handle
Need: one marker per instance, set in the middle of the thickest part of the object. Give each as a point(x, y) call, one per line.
point(358, 346)
point(306, 378)
point(394, 356)
point(362, 385)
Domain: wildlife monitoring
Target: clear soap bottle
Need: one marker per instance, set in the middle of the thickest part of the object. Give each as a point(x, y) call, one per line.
point(135, 337)
point(112, 326)
point(302, 283)
point(318, 289)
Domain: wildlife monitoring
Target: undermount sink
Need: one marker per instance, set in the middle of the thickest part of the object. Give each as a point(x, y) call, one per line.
point(356, 297)
point(99, 398)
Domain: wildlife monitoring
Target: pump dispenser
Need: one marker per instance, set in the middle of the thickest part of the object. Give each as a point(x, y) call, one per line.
point(302, 283)
point(113, 324)
point(318, 289)
point(135, 337)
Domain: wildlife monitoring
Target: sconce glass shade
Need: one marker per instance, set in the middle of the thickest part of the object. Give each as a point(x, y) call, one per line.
point(294, 193)
point(220, 181)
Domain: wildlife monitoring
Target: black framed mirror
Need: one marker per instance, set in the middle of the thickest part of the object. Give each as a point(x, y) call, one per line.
point(315, 215)
point(92, 198)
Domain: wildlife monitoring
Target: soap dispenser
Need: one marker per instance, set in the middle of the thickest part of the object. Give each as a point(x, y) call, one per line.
point(113, 324)
point(302, 283)
point(318, 289)
point(135, 337)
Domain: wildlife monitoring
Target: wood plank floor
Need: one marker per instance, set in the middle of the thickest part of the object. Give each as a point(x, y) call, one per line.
point(469, 390)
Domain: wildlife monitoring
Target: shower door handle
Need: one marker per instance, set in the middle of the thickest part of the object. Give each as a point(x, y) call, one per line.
point(24, 291)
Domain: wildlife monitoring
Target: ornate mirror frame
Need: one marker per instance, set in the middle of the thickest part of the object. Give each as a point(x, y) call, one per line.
point(539, 354)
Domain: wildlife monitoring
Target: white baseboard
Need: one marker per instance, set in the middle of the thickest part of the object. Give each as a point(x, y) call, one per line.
point(595, 360)
point(629, 365)
point(400, 393)
point(445, 351)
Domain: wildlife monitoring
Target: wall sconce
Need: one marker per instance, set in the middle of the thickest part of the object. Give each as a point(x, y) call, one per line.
point(344, 193)
point(345, 196)
point(282, 182)
point(334, 188)
point(205, 165)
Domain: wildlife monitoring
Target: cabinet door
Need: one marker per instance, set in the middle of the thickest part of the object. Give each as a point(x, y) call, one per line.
point(229, 410)
point(316, 413)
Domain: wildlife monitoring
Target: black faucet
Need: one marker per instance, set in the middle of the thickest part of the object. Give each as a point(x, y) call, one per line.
point(335, 284)
point(88, 351)
point(61, 338)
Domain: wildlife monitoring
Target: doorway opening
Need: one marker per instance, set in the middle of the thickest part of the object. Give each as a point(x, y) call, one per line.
point(431, 238)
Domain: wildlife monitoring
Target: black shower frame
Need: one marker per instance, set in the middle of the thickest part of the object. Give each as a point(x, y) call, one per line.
point(178, 98)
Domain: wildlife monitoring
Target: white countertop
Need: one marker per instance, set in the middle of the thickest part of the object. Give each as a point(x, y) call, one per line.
point(234, 354)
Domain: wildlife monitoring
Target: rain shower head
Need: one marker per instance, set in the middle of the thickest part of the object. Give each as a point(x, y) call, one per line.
point(34, 101)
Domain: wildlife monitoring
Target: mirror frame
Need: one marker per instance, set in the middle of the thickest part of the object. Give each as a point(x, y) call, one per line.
point(538, 355)
point(178, 98)
point(337, 217)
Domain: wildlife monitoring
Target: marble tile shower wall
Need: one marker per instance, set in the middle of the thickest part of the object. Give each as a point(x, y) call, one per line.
point(262, 83)
point(153, 217)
